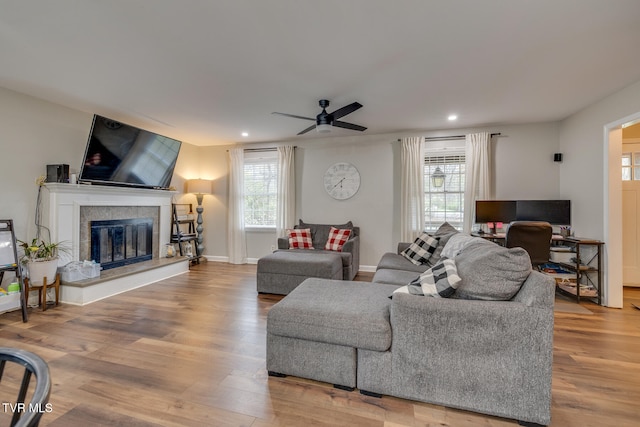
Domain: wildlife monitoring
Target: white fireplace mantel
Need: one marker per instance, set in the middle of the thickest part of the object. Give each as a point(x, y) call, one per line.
point(62, 208)
point(61, 205)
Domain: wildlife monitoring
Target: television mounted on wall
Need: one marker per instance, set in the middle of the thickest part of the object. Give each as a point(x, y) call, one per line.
point(121, 154)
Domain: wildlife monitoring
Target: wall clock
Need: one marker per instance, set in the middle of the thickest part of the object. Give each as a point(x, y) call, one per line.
point(342, 181)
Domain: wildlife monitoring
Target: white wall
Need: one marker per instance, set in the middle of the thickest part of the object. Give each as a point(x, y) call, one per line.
point(524, 169)
point(34, 133)
point(40, 133)
point(584, 177)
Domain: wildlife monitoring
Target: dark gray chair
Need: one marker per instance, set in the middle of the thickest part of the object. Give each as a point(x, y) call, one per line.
point(27, 413)
point(532, 236)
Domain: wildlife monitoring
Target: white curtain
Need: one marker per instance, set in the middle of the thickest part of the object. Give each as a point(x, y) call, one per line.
point(411, 188)
point(477, 175)
point(236, 241)
point(286, 202)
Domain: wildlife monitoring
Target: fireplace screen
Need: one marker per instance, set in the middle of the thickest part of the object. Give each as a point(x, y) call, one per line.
point(115, 243)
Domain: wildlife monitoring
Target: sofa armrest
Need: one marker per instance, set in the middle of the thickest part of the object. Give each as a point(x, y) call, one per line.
point(353, 246)
point(283, 243)
point(402, 246)
point(472, 354)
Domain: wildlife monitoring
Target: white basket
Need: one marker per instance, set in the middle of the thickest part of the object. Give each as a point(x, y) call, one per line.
point(80, 270)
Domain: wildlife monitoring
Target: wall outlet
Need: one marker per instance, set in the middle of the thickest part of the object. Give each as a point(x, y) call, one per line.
point(273, 248)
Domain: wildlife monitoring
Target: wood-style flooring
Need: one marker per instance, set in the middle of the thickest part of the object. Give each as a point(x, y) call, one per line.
point(190, 351)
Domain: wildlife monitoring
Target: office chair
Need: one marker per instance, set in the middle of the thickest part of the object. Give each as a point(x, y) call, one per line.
point(532, 236)
point(25, 413)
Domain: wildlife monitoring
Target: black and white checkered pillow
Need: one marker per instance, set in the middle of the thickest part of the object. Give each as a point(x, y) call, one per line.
point(440, 281)
point(421, 249)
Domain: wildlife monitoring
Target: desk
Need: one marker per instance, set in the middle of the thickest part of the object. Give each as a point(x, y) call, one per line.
point(498, 238)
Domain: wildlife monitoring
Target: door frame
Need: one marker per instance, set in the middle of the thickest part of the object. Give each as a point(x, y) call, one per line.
point(612, 218)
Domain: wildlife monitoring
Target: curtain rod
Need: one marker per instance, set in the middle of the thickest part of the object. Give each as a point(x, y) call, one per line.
point(263, 149)
point(451, 137)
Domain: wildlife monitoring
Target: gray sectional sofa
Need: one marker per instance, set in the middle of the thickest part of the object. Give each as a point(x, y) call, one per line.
point(487, 349)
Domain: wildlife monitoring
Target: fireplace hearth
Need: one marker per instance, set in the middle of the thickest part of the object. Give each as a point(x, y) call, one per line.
point(120, 242)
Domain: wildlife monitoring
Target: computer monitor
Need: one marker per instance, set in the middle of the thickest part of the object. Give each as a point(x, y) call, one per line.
point(555, 212)
point(495, 211)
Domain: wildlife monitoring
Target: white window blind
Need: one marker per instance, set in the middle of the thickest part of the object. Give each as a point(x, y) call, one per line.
point(260, 190)
point(445, 203)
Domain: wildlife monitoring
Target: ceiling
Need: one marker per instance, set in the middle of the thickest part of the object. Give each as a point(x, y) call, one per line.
point(203, 71)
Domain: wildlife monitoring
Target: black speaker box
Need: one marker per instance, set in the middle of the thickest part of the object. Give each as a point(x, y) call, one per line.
point(58, 173)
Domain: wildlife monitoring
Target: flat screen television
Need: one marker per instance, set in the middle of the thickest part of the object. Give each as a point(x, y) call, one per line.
point(495, 211)
point(555, 212)
point(121, 154)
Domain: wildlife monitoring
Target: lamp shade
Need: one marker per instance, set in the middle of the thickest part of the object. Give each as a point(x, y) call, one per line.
point(199, 186)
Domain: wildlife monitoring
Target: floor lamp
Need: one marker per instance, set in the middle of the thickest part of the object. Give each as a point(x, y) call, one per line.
point(199, 187)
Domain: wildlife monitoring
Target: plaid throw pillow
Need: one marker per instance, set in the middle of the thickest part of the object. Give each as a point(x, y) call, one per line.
point(440, 281)
point(421, 249)
point(300, 238)
point(337, 239)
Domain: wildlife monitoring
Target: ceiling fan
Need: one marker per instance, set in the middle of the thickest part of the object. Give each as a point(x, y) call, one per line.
point(325, 120)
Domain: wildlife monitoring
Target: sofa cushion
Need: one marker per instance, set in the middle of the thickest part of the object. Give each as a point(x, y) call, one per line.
point(491, 272)
point(444, 233)
point(320, 232)
point(394, 277)
point(421, 249)
point(394, 261)
point(300, 238)
point(456, 243)
point(337, 238)
point(354, 314)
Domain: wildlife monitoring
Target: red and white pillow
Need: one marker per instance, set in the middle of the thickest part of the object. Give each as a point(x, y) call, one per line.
point(300, 238)
point(337, 239)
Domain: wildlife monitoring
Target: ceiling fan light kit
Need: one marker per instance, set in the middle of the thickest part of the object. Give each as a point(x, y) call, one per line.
point(324, 121)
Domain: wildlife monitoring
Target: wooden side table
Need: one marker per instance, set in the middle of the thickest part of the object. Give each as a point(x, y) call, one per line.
point(42, 291)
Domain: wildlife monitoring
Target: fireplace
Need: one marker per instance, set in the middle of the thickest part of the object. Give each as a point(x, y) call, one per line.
point(108, 216)
point(120, 242)
point(69, 209)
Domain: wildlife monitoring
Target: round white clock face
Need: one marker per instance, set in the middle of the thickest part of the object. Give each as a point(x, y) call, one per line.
point(342, 181)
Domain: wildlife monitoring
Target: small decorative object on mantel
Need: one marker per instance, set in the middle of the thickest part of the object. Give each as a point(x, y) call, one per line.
point(170, 250)
point(188, 249)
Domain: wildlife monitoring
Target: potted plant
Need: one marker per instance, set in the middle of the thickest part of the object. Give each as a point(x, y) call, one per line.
point(41, 259)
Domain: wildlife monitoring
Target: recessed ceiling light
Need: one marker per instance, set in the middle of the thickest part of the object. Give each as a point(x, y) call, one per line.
point(452, 117)
point(245, 134)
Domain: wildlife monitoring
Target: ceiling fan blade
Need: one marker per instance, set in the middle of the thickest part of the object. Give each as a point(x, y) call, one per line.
point(312, 127)
point(348, 109)
point(294, 116)
point(346, 125)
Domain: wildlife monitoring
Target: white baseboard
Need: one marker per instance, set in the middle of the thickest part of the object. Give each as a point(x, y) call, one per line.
point(367, 268)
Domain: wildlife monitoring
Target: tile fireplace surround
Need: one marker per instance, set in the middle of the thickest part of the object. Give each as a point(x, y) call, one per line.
point(65, 211)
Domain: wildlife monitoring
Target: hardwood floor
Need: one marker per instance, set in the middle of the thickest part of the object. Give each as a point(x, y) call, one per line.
point(190, 351)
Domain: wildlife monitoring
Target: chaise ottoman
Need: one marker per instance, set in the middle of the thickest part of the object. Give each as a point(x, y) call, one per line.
point(316, 331)
point(281, 271)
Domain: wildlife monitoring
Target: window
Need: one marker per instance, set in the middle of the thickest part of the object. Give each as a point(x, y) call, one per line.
point(260, 189)
point(631, 166)
point(444, 200)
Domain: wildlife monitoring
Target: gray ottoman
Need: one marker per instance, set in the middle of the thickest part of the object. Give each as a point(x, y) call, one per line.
point(281, 271)
point(315, 330)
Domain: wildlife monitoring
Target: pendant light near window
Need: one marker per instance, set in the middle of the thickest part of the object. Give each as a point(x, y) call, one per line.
point(437, 177)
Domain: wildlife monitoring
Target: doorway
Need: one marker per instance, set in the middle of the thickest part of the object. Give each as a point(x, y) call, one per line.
point(631, 205)
point(613, 229)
